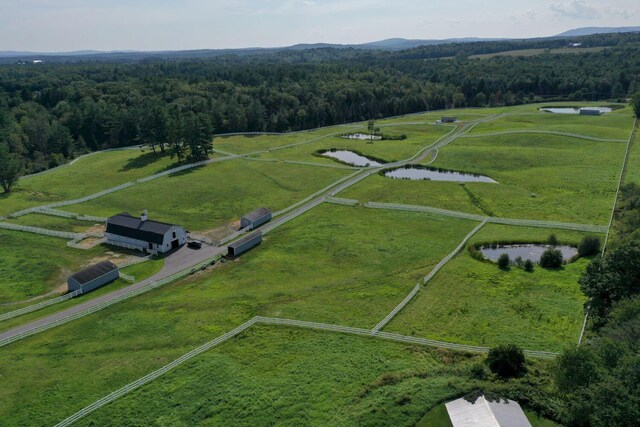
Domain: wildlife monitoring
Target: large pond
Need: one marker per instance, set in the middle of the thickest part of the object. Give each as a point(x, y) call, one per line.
point(532, 252)
point(575, 110)
point(419, 174)
point(351, 158)
point(362, 137)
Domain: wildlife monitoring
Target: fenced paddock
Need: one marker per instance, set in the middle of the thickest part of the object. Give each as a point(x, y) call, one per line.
point(276, 322)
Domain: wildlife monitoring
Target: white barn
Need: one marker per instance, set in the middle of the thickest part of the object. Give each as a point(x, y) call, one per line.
point(143, 234)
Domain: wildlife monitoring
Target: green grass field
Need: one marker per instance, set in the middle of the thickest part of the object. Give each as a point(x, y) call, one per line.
point(474, 302)
point(334, 264)
point(607, 126)
point(418, 137)
point(210, 196)
point(540, 177)
point(36, 264)
point(283, 376)
point(139, 271)
point(86, 176)
point(53, 223)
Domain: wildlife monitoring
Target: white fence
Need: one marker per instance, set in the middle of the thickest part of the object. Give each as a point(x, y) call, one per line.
point(550, 224)
point(427, 209)
point(155, 374)
point(70, 215)
point(72, 202)
point(39, 306)
point(493, 220)
point(341, 201)
point(396, 310)
point(44, 231)
point(234, 235)
point(146, 288)
point(280, 322)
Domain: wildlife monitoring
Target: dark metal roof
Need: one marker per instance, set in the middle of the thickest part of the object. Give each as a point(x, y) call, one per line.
point(245, 239)
point(257, 214)
point(93, 272)
point(129, 226)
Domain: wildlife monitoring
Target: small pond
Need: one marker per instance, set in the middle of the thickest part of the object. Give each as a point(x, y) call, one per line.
point(418, 174)
point(351, 158)
point(362, 136)
point(532, 252)
point(575, 110)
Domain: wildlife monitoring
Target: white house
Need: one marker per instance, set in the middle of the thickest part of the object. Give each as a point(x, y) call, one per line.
point(143, 234)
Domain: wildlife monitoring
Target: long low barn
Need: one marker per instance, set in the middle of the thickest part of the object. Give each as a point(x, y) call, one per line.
point(241, 246)
point(144, 234)
point(93, 277)
point(256, 218)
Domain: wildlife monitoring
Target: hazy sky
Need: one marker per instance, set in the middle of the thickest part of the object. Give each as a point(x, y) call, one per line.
point(63, 25)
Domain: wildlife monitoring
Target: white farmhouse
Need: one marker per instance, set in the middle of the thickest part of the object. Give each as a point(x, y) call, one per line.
point(143, 234)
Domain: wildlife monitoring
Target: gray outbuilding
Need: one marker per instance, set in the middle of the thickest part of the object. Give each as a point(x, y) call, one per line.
point(255, 219)
point(93, 277)
point(448, 120)
point(590, 112)
point(243, 245)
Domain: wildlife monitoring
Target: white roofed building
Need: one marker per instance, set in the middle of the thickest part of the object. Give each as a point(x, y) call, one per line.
point(486, 413)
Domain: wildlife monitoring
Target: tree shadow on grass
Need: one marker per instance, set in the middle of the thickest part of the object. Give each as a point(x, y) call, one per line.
point(144, 160)
point(186, 171)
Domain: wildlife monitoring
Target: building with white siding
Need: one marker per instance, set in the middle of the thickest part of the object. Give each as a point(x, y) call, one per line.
point(144, 234)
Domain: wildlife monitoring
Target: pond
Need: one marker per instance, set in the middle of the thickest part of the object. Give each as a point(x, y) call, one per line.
point(351, 158)
point(362, 136)
point(532, 252)
point(418, 174)
point(575, 110)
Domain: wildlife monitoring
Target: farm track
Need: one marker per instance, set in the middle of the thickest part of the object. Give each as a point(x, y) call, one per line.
point(92, 305)
point(281, 218)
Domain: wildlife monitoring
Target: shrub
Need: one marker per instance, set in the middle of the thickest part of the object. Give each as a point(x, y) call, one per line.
point(528, 266)
point(552, 240)
point(507, 361)
point(518, 262)
point(478, 371)
point(551, 258)
point(503, 261)
point(589, 245)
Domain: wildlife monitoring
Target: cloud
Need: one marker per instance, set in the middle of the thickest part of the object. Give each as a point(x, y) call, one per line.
point(577, 9)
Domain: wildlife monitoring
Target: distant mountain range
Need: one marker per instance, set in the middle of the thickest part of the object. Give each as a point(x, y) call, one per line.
point(394, 44)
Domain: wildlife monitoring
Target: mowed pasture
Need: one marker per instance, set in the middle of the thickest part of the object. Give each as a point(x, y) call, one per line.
point(543, 177)
point(273, 376)
point(251, 143)
point(615, 125)
point(207, 197)
point(334, 264)
point(87, 175)
point(474, 302)
point(418, 137)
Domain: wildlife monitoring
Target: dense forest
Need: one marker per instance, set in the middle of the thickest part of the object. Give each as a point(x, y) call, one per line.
point(52, 112)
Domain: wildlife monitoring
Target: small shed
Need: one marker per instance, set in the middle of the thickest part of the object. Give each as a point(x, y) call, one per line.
point(486, 413)
point(448, 120)
point(93, 277)
point(255, 219)
point(590, 112)
point(243, 245)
